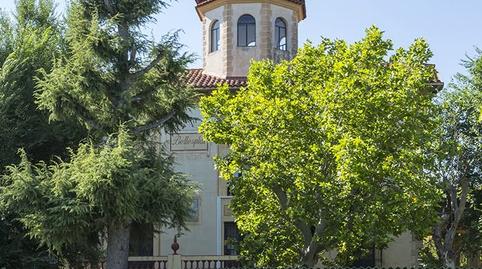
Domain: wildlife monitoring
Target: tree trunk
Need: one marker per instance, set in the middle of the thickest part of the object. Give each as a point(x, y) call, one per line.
point(449, 261)
point(118, 246)
point(309, 257)
point(445, 231)
point(449, 256)
point(474, 260)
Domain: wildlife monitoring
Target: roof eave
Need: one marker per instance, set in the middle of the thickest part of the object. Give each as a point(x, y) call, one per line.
point(301, 11)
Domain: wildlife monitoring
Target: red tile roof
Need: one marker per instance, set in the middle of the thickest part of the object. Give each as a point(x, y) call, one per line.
point(202, 2)
point(300, 2)
point(200, 81)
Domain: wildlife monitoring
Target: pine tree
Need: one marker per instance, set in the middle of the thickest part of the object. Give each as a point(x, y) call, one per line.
point(123, 88)
point(29, 41)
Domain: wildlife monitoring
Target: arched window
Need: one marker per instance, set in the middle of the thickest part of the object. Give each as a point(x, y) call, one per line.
point(246, 31)
point(215, 36)
point(280, 32)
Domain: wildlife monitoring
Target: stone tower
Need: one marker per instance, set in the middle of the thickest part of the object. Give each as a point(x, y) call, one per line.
point(237, 31)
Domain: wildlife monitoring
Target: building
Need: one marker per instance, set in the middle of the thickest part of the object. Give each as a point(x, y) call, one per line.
point(234, 33)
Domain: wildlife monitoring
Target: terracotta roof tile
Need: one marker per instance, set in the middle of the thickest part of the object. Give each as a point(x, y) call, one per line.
point(200, 81)
point(202, 2)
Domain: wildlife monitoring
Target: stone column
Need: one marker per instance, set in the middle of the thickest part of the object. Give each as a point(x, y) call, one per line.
point(266, 37)
point(294, 36)
point(174, 262)
point(206, 37)
point(227, 39)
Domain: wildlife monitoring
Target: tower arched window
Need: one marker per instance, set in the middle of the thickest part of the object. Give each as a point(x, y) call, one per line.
point(246, 31)
point(215, 36)
point(281, 34)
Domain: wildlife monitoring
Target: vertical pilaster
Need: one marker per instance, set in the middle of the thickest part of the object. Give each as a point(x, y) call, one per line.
point(156, 238)
point(174, 262)
point(205, 31)
point(266, 38)
point(227, 39)
point(294, 35)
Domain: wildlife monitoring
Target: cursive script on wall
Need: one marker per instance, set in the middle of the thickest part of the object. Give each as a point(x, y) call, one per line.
point(187, 142)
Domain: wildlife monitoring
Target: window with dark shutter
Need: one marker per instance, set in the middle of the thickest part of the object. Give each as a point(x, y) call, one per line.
point(246, 31)
point(281, 34)
point(215, 36)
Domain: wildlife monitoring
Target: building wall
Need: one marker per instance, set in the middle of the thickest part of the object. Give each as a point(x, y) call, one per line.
point(401, 252)
point(205, 236)
point(291, 19)
point(196, 159)
point(233, 61)
point(214, 61)
point(265, 15)
point(198, 165)
point(242, 56)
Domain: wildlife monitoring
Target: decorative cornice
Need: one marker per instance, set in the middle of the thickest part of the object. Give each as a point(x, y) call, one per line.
point(202, 6)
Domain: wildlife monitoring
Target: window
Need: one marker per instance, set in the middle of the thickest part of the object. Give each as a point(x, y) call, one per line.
point(246, 31)
point(194, 212)
point(367, 257)
point(280, 31)
point(231, 238)
point(215, 37)
point(141, 239)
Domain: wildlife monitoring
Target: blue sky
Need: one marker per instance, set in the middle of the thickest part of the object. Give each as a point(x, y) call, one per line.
point(452, 27)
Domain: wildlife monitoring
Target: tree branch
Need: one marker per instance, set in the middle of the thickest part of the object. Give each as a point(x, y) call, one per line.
point(457, 210)
point(453, 198)
point(463, 196)
point(148, 68)
point(109, 7)
point(83, 113)
point(132, 59)
point(299, 224)
point(437, 239)
point(154, 124)
point(282, 197)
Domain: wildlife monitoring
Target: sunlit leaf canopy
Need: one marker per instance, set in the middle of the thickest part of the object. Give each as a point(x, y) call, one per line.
point(330, 147)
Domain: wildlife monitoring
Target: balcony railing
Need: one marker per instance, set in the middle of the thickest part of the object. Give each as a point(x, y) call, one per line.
point(148, 263)
point(209, 262)
point(180, 262)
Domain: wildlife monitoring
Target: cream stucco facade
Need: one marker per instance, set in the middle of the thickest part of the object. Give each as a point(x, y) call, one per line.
point(195, 158)
point(233, 61)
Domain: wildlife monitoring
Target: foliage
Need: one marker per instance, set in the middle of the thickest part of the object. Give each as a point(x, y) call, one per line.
point(458, 166)
point(28, 42)
point(6, 41)
point(329, 148)
point(427, 256)
point(113, 75)
point(108, 75)
point(16, 251)
point(35, 41)
point(98, 186)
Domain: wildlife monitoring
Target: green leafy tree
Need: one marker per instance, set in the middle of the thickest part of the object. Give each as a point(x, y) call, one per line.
point(6, 42)
point(114, 81)
point(98, 187)
point(28, 42)
point(458, 168)
point(471, 227)
point(326, 150)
